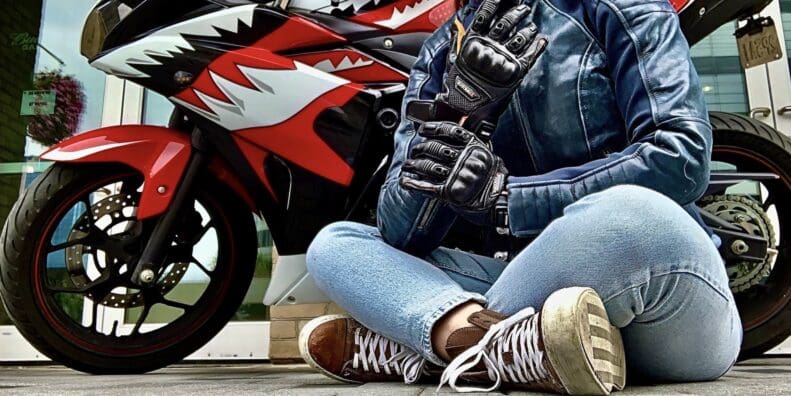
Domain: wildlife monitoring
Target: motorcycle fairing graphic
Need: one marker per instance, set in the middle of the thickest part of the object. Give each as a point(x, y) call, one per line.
point(409, 15)
point(250, 91)
point(173, 41)
point(353, 65)
point(399, 15)
point(279, 85)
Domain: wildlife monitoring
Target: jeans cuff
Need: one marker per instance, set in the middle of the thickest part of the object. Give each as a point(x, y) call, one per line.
point(447, 304)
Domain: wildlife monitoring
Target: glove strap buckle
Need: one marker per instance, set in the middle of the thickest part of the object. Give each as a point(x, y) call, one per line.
point(484, 130)
point(501, 215)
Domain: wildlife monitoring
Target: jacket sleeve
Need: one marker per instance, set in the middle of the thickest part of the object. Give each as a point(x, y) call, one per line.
point(409, 220)
point(658, 94)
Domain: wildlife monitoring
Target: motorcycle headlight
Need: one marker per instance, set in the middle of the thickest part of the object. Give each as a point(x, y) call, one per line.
point(104, 17)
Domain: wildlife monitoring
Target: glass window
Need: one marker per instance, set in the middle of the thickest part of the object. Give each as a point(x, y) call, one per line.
point(785, 15)
point(717, 61)
point(156, 109)
point(41, 37)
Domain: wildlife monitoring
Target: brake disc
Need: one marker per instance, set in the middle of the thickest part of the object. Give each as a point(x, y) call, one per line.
point(115, 217)
point(746, 214)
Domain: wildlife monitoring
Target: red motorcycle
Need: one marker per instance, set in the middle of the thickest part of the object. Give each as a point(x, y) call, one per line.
point(285, 110)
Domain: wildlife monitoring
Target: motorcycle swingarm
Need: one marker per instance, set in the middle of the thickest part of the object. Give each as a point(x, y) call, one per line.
point(736, 244)
point(720, 181)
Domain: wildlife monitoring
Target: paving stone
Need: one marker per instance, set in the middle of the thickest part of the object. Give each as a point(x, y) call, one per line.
point(771, 376)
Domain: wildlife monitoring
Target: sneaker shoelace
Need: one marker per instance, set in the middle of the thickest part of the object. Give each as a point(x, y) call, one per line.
point(372, 353)
point(517, 335)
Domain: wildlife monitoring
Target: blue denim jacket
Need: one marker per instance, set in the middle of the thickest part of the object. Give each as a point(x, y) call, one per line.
point(615, 99)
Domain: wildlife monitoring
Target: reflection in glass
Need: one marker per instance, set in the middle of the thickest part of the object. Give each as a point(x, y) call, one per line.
point(156, 109)
point(44, 36)
point(717, 60)
point(59, 49)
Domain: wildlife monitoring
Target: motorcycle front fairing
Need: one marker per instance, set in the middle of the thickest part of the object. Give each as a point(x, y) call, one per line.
point(298, 159)
point(159, 154)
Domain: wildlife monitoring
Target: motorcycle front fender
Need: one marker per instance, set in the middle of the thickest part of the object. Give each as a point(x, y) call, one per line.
point(159, 154)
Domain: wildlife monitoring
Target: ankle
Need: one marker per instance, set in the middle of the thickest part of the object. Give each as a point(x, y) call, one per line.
point(467, 332)
point(453, 321)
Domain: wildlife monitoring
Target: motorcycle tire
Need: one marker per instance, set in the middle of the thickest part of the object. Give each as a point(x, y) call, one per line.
point(87, 349)
point(765, 309)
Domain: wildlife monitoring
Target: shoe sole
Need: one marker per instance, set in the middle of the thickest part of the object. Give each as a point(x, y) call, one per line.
point(304, 337)
point(584, 348)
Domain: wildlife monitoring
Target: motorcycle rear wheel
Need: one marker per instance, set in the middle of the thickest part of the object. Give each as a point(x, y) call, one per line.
point(53, 286)
point(752, 146)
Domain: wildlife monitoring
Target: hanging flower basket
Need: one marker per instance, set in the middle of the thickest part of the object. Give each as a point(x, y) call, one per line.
point(69, 107)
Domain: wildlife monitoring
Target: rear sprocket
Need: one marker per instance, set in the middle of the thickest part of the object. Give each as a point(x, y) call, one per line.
point(747, 214)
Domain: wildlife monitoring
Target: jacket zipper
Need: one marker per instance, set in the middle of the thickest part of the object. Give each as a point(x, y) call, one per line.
point(428, 214)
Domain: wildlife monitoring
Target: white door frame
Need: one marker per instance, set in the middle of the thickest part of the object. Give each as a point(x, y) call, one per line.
point(779, 76)
point(769, 85)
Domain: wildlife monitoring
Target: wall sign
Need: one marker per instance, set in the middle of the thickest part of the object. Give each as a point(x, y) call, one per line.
point(37, 103)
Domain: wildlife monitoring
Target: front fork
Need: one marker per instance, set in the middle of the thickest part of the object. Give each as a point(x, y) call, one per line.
point(153, 256)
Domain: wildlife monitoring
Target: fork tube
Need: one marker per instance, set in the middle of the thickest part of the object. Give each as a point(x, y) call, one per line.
point(153, 255)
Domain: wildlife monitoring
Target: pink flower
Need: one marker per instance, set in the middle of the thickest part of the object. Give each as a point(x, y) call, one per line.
point(69, 108)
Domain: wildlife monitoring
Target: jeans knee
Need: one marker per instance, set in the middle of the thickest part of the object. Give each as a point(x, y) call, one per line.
point(689, 330)
point(645, 230)
point(635, 202)
point(324, 253)
point(630, 212)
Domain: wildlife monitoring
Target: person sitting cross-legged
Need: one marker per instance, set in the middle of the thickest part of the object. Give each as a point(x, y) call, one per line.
point(581, 123)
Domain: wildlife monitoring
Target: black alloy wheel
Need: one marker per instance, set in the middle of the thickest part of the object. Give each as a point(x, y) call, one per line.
point(69, 247)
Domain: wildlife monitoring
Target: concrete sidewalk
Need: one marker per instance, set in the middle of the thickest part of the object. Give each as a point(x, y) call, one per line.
point(771, 376)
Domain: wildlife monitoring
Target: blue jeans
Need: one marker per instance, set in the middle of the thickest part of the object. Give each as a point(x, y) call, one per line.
point(658, 272)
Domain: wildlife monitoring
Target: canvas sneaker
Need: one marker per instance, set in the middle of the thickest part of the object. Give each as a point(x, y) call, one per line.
point(569, 347)
point(342, 348)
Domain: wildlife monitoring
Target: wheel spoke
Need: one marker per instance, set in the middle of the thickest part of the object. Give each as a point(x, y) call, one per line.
point(141, 319)
point(202, 267)
point(175, 304)
point(94, 313)
point(86, 200)
point(87, 288)
point(199, 236)
point(95, 256)
point(114, 331)
point(770, 200)
point(60, 289)
point(68, 244)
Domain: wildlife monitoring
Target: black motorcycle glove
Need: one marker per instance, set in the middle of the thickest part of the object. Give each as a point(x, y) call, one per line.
point(455, 166)
point(486, 65)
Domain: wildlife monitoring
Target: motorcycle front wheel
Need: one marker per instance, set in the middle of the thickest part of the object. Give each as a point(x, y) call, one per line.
point(761, 208)
point(68, 250)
